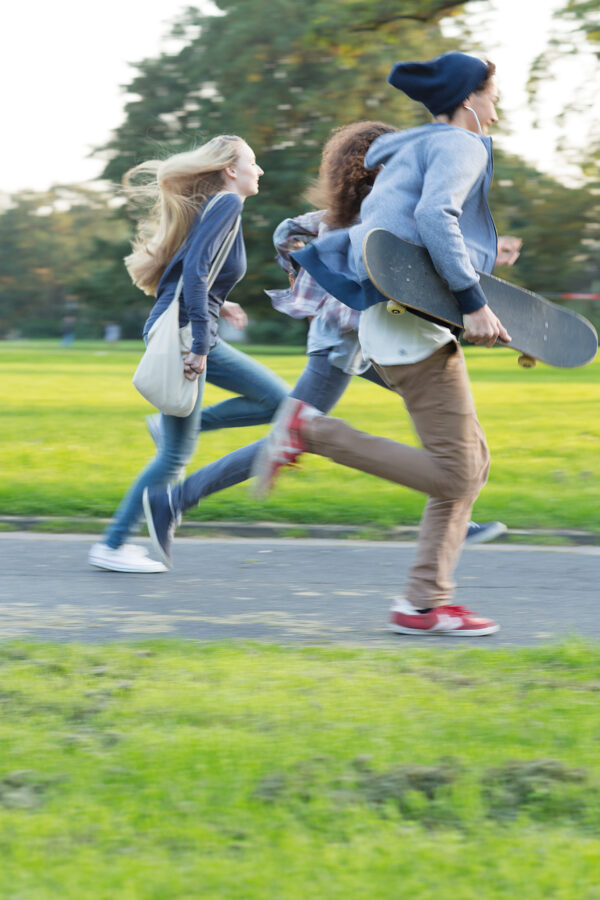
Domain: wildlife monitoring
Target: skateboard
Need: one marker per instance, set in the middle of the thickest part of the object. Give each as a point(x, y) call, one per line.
point(540, 330)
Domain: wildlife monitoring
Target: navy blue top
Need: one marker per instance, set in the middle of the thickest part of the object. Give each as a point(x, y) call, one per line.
point(194, 258)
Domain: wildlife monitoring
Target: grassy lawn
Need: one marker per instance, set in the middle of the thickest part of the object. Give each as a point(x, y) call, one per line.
point(180, 770)
point(73, 438)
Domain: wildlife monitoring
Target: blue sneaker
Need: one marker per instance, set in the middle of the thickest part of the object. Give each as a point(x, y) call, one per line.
point(162, 519)
point(481, 534)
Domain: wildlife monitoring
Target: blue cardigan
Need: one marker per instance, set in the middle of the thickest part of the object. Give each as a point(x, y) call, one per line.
point(194, 259)
point(432, 190)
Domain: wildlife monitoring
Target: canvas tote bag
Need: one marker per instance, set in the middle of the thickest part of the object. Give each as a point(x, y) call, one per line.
point(159, 376)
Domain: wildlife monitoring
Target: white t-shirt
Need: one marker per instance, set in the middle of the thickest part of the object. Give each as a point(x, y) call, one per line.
point(399, 340)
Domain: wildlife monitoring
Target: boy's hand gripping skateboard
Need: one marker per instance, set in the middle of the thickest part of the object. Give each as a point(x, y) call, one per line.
point(540, 330)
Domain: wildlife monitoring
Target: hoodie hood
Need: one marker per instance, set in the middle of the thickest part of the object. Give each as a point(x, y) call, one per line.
point(387, 145)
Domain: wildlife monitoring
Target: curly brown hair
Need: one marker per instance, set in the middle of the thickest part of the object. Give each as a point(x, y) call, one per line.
point(343, 181)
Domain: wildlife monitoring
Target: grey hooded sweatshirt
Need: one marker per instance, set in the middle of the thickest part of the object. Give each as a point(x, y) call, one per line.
point(432, 190)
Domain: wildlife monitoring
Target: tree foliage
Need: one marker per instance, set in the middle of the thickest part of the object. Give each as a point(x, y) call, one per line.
point(558, 225)
point(281, 75)
point(277, 77)
point(574, 41)
point(281, 78)
point(61, 254)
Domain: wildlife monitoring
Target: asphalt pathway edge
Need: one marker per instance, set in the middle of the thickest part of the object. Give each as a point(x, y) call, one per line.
point(91, 525)
point(312, 591)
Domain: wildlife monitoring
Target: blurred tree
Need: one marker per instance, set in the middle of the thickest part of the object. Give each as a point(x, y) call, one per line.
point(573, 52)
point(281, 77)
point(104, 287)
point(61, 255)
point(572, 55)
point(558, 225)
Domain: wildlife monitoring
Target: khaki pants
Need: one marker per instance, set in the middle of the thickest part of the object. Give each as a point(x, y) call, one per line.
point(451, 467)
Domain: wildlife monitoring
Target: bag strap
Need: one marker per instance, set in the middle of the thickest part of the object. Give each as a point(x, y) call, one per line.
point(178, 290)
point(223, 253)
point(226, 246)
point(212, 202)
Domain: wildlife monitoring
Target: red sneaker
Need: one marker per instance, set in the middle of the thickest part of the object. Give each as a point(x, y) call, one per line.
point(455, 620)
point(284, 444)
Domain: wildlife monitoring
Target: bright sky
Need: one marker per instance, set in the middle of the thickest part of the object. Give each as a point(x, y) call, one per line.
point(66, 61)
point(513, 33)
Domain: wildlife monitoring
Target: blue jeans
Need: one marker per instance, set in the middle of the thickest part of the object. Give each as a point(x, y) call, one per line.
point(261, 392)
point(321, 384)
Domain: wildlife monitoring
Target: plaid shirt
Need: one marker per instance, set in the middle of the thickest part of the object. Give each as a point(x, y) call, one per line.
point(305, 297)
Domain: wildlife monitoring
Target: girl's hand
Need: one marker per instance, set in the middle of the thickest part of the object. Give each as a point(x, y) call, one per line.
point(193, 365)
point(509, 249)
point(234, 314)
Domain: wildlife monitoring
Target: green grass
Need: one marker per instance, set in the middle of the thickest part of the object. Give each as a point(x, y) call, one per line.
point(73, 438)
point(182, 770)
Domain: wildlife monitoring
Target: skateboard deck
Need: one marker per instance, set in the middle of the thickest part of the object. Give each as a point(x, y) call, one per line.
point(540, 330)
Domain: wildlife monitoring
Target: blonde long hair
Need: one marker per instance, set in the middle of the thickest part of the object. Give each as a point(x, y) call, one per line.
point(179, 187)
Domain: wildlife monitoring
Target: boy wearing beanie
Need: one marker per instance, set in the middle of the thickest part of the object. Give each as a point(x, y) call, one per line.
point(431, 189)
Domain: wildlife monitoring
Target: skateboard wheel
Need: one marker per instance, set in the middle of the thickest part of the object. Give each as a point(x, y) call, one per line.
point(395, 308)
point(527, 362)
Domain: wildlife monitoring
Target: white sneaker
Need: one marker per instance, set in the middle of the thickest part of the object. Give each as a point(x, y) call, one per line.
point(123, 560)
point(134, 549)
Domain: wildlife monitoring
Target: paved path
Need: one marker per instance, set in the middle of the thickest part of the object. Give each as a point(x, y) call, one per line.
point(307, 591)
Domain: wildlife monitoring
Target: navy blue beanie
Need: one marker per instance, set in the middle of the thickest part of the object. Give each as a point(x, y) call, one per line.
point(441, 83)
